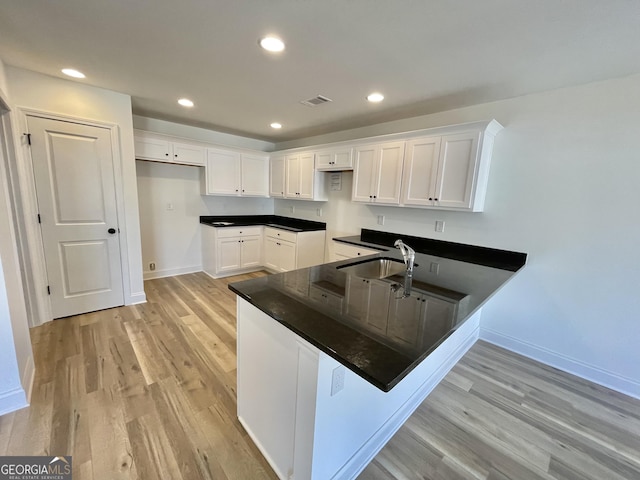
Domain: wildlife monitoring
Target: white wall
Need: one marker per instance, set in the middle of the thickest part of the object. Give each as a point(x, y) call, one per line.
point(16, 357)
point(59, 96)
point(171, 238)
point(563, 188)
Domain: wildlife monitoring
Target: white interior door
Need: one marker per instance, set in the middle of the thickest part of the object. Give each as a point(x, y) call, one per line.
point(75, 185)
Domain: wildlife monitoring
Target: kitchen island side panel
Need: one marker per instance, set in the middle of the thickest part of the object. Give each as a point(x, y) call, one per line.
point(286, 404)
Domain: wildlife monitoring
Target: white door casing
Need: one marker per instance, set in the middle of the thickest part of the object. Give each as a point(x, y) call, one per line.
point(75, 185)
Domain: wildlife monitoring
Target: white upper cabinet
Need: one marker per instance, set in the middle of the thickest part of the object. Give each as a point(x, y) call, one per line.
point(159, 148)
point(294, 176)
point(276, 176)
point(377, 176)
point(334, 159)
point(450, 171)
point(235, 173)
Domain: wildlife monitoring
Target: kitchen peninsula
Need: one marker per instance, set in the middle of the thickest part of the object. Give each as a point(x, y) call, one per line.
point(332, 359)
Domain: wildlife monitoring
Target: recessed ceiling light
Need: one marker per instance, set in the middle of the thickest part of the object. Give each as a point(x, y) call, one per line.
point(375, 97)
point(276, 125)
point(185, 102)
point(73, 73)
point(272, 44)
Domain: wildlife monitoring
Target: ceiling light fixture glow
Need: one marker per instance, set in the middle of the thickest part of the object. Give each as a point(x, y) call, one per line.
point(272, 44)
point(185, 102)
point(375, 97)
point(276, 125)
point(73, 73)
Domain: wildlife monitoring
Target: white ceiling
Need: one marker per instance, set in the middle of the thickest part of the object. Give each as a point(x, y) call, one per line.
point(424, 56)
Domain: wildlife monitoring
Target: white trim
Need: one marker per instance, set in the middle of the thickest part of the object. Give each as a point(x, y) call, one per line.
point(27, 191)
point(263, 451)
point(240, 271)
point(28, 377)
point(170, 272)
point(358, 462)
point(137, 298)
point(563, 362)
point(12, 400)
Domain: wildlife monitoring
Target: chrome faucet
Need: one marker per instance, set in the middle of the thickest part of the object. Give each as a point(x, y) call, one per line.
point(408, 254)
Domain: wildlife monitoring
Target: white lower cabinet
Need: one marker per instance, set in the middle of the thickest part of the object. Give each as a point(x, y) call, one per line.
point(228, 251)
point(412, 322)
point(285, 250)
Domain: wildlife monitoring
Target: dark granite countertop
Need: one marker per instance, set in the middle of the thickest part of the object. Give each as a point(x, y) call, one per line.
point(275, 221)
point(369, 326)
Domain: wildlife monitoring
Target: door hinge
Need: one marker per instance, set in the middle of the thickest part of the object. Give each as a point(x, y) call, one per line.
point(39, 219)
point(28, 135)
point(48, 289)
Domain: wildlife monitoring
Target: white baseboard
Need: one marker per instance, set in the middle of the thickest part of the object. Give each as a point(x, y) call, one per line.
point(358, 462)
point(563, 362)
point(28, 376)
point(13, 400)
point(255, 440)
point(236, 272)
point(170, 272)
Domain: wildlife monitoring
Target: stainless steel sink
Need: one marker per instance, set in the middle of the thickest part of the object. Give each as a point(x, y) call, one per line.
point(374, 268)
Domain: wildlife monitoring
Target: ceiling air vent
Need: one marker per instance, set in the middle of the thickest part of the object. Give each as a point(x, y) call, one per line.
point(315, 101)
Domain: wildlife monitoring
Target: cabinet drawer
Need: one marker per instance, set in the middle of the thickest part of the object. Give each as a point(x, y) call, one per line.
point(342, 250)
point(281, 234)
point(227, 232)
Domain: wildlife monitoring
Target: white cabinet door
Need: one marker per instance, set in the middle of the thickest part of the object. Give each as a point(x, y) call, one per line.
point(389, 173)
point(292, 182)
point(334, 159)
point(276, 176)
point(378, 306)
point(364, 174)
point(251, 251)
point(457, 170)
point(306, 176)
point(188, 154)
point(404, 325)
point(147, 148)
point(228, 254)
point(255, 175)
point(287, 256)
point(223, 172)
point(420, 171)
point(438, 316)
point(271, 254)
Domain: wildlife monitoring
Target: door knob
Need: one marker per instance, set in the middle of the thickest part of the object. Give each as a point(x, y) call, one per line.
point(112, 231)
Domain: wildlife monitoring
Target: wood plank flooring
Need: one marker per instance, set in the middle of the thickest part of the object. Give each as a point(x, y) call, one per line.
point(149, 392)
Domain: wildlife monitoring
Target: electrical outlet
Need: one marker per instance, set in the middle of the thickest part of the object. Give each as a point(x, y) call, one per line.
point(380, 219)
point(434, 267)
point(152, 266)
point(319, 212)
point(292, 209)
point(337, 380)
point(439, 225)
point(169, 206)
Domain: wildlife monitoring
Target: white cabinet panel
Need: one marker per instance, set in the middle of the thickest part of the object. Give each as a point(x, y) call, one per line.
point(457, 167)
point(334, 159)
point(223, 172)
point(188, 154)
point(420, 171)
point(342, 251)
point(377, 176)
point(228, 254)
point(235, 173)
point(276, 176)
point(149, 148)
point(306, 177)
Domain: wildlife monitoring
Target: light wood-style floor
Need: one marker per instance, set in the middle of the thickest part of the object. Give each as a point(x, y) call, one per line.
point(148, 392)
